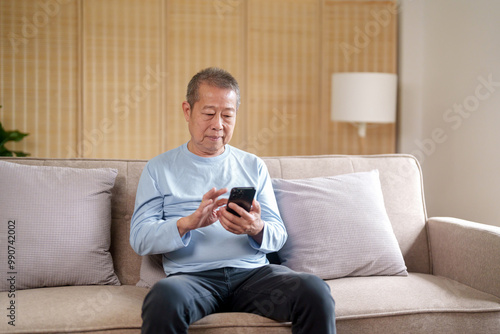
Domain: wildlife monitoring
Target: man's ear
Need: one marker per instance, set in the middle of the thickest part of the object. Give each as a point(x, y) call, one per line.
point(187, 110)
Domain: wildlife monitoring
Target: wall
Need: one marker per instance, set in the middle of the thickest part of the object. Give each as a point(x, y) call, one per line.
point(106, 79)
point(450, 103)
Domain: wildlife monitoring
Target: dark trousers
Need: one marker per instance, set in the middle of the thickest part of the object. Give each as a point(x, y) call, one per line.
point(272, 291)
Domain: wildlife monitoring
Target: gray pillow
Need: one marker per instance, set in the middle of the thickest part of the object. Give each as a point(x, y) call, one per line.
point(55, 226)
point(338, 226)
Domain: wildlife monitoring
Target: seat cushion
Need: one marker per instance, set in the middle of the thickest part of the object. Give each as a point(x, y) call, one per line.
point(242, 323)
point(417, 303)
point(76, 309)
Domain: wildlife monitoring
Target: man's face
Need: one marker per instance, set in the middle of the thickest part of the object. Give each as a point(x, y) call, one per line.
point(211, 120)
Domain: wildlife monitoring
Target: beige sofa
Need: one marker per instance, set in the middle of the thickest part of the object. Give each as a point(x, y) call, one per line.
point(453, 284)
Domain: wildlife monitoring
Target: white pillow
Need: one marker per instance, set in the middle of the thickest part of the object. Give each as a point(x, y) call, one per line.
point(55, 226)
point(338, 226)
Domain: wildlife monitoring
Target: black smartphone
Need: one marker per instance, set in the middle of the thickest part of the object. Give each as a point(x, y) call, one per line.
point(243, 196)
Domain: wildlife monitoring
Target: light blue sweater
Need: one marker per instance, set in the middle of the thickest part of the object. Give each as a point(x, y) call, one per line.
point(171, 187)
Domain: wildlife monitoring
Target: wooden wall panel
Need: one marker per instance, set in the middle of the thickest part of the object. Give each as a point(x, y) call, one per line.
point(123, 79)
point(284, 77)
point(106, 79)
point(201, 34)
point(39, 75)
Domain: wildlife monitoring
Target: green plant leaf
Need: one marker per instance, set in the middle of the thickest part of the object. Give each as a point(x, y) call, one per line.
point(6, 136)
point(3, 135)
point(15, 135)
point(20, 154)
point(4, 152)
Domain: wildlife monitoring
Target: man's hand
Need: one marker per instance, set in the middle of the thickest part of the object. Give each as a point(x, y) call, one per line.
point(249, 223)
point(205, 215)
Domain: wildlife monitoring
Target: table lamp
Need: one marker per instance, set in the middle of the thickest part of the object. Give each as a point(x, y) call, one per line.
point(363, 97)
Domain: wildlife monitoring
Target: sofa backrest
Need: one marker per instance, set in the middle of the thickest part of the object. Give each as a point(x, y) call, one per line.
point(402, 186)
point(400, 177)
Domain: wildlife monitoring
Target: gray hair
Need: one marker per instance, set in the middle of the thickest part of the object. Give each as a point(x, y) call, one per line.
point(212, 76)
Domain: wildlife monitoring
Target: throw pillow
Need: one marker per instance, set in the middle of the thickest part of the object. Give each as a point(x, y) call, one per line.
point(338, 226)
point(55, 226)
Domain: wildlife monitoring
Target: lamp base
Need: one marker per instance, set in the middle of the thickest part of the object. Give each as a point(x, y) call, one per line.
point(361, 129)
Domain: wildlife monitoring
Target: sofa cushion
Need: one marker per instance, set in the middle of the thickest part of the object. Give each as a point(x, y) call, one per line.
point(77, 309)
point(338, 226)
point(56, 226)
point(417, 303)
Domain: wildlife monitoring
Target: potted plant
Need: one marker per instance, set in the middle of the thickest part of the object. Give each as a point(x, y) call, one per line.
point(6, 136)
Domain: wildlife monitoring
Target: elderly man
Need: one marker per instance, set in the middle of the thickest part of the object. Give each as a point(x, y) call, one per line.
point(216, 261)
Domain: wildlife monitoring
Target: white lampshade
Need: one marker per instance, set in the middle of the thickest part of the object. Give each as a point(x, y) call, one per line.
point(364, 97)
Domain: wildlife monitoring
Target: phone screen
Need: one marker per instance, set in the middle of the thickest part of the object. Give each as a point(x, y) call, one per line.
point(243, 196)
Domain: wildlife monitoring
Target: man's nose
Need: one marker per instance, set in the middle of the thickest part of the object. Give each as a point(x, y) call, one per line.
point(217, 122)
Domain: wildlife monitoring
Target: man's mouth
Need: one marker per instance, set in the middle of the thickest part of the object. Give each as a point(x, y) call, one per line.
point(214, 138)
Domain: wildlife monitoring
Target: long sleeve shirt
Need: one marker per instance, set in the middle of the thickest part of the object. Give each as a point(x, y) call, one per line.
point(172, 186)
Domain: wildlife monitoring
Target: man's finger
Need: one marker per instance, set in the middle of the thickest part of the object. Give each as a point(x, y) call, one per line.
point(239, 210)
point(255, 206)
point(208, 194)
point(206, 202)
point(230, 226)
point(220, 202)
point(219, 192)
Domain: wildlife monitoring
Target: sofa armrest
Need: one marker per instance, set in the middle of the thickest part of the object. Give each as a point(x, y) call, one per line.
point(466, 252)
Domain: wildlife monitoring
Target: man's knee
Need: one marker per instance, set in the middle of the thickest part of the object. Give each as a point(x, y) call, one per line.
point(315, 285)
point(303, 287)
point(165, 294)
point(316, 292)
point(165, 309)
